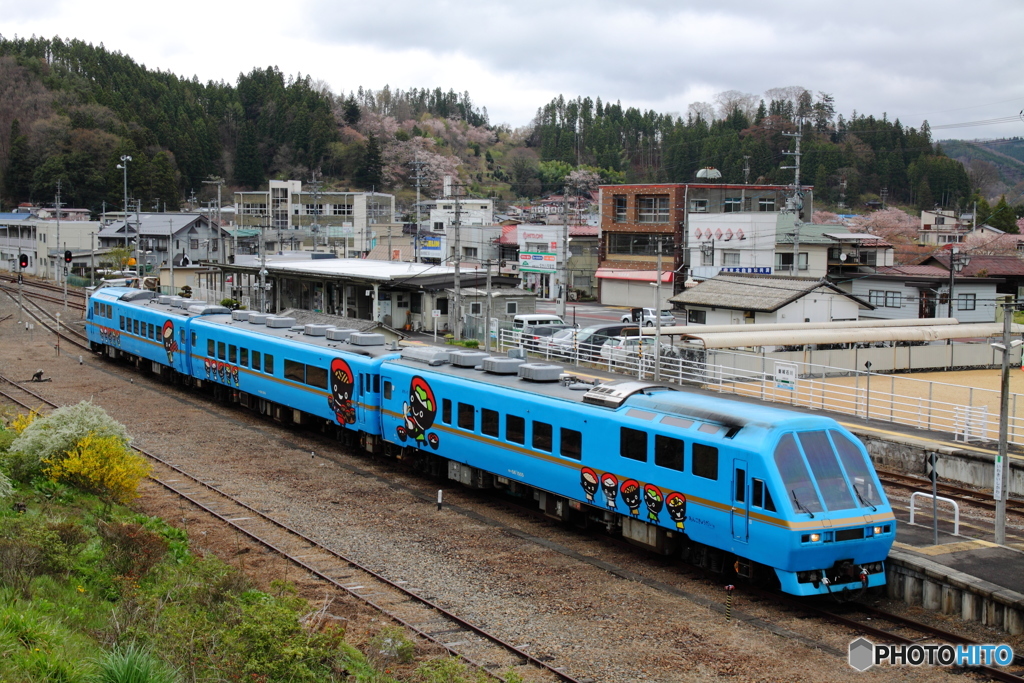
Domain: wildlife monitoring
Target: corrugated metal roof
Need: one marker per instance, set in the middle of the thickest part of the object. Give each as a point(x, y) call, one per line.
point(638, 275)
point(754, 293)
point(772, 327)
point(734, 340)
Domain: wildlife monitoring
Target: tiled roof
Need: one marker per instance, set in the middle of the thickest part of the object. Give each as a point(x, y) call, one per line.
point(994, 266)
point(753, 293)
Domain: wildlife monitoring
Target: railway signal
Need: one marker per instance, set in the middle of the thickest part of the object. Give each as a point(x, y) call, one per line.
point(67, 256)
point(23, 260)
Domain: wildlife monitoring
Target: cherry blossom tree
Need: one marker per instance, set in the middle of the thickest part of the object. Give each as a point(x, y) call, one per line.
point(984, 244)
point(825, 218)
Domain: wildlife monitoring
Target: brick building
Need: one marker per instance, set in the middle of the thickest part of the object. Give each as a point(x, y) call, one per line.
point(635, 218)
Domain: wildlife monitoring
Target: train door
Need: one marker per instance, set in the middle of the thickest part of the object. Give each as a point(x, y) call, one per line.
point(740, 501)
point(363, 389)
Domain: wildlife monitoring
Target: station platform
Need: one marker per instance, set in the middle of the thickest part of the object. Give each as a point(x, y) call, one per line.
point(966, 575)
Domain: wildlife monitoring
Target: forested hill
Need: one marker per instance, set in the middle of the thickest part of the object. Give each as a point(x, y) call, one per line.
point(71, 110)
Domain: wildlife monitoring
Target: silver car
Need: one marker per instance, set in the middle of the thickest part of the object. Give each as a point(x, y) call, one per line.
point(648, 317)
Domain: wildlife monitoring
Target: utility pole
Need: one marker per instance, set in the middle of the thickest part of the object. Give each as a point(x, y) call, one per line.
point(218, 181)
point(1002, 466)
point(92, 258)
point(487, 311)
point(57, 206)
point(263, 268)
point(124, 166)
point(170, 250)
point(138, 242)
point(418, 166)
point(657, 318)
point(457, 226)
point(565, 256)
point(795, 203)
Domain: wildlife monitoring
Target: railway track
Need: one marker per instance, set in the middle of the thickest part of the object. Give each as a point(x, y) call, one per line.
point(50, 321)
point(399, 600)
point(960, 494)
point(49, 292)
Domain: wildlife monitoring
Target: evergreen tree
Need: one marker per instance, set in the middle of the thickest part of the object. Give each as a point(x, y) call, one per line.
point(350, 111)
point(370, 173)
point(18, 178)
point(1003, 217)
point(248, 166)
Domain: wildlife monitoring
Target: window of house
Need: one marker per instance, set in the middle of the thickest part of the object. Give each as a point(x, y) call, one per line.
point(730, 258)
point(469, 252)
point(707, 255)
point(515, 429)
point(442, 305)
point(876, 297)
point(698, 317)
point(213, 245)
point(619, 203)
point(668, 452)
point(868, 258)
point(633, 444)
point(632, 244)
point(732, 205)
point(705, 461)
point(446, 411)
point(652, 209)
point(571, 444)
point(893, 300)
point(438, 226)
point(542, 436)
point(765, 204)
point(489, 422)
point(467, 416)
point(193, 244)
point(698, 206)
point(940, 220)
point(784, 261)
point(511, 307)
point(966, 302)
point(476, 308)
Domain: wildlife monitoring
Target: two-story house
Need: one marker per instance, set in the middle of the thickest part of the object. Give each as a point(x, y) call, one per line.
point(942, 226)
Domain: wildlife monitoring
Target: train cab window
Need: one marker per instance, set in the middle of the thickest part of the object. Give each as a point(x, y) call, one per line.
point(268, 364)
point(243, 357)
point(195, 339)
point(294, 371)
point(446, 411)
point(762, 498)
point(376, 384)
point(668, 452)
point(95, 307)
point(122, 322)
point(705, 461)
point(571, 444)
point(181, 335)
point(827, 471)
point(515, 429)
point(256, 360)
point(211, 348)
point(387, 390)
point(857, 470)
point(222, 351)
point(542, 436)
point(741, 486)
point(633, 444)
point(315, 377)
point(489, 422)
point(232, 353)
point(795, 477)
point(467, 417)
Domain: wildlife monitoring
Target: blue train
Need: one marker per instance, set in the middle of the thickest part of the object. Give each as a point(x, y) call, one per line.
point(769, 495)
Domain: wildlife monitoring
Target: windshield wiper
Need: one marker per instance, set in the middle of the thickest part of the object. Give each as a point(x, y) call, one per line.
point(866, 503)
point(793, 491)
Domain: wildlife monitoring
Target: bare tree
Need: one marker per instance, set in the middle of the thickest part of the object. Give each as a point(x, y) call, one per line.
point(734, 99)
point(702, 110)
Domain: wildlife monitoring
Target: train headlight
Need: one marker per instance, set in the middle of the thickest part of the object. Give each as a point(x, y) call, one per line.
point(815, 538)
point(877, 530)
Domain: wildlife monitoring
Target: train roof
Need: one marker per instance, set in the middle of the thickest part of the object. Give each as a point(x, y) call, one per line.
point(560, 383)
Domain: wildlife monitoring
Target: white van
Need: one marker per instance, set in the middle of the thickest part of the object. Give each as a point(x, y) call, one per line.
point(521, 321)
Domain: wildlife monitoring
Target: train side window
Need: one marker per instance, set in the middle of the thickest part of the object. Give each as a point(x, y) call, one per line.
point(387, 390)
point(135, 326)
point(243, 357)
point(95, 307)
point(571, 444)
point(316, 377)
point(446, 411)
point(705, 461)
point(232, 353)
point(795, 476)
point(668, 452)
point(211, 348)
point(762, 498)
point(489, 422)
point(515, 429)
point(376, 384)
point(256, 365)
point(152, 330)
point(467, 416)
point(222, 351)
point(294, 371)
point(268, 364)
point(633, 444)
point(741, 485)
point(542, 436)
point(181, 335)
point(122, 322)
point(195, 339)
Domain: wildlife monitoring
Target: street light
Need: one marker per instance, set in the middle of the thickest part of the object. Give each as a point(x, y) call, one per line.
point(124, 166)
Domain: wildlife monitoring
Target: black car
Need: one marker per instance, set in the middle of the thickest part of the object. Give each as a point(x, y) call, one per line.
point(590, 339)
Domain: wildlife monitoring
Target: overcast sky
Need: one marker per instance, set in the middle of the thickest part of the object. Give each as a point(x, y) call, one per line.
point(945, 62)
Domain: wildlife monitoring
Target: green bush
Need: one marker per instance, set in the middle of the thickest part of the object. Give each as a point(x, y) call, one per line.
point(392, 644)
point(133, 664)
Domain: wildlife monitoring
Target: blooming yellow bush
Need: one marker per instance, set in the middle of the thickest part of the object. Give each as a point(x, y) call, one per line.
point(23, 420)
point(103, 465)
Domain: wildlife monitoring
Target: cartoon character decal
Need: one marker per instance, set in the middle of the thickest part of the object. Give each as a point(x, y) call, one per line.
point(611, 488)
point(630, 490)
point(208, 364)
point(170, 346)
point(654, 500)
point(589, 482)
point(234, 374)
point(342, 388)
point(676, 504)
point(109, 336)
point(419, 412)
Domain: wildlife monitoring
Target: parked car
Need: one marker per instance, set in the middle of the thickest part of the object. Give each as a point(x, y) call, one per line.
point(590, 339)
point(630, 350)
point(562, 344)
point(523, 319)
point(648, 317)
point(531, 335)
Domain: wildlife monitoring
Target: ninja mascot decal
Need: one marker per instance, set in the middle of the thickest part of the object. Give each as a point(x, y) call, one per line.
point(676, 504)
point(342, 385)
point(589, 482)
point(610, 485)
point(167, 335)
point(419, 412)
point(630, 490)
point(654, 501)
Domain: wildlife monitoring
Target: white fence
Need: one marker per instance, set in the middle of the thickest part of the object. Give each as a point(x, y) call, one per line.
point(971, 414)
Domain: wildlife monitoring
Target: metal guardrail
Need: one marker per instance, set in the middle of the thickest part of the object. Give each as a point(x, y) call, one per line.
point(939, 499)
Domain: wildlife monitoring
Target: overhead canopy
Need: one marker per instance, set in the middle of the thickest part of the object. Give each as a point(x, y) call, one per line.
point(768, 327)
point(745, 339)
